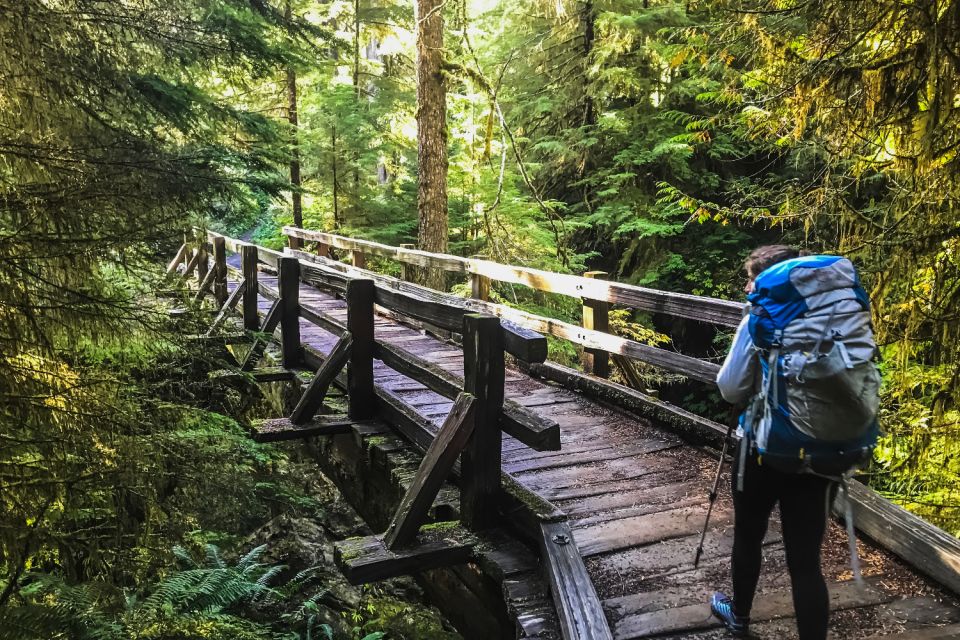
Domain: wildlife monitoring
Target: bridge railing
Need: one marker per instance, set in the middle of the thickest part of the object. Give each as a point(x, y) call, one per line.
point(596, 295)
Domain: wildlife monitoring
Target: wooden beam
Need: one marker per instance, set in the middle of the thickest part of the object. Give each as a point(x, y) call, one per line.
point(360, 297)
point(270, 323)
point(289, 285)
point(227, 307)
point(220, 292)
point(251, 318)
point(483, 372)
point(205, 285)
point(596, 316)
point(177, 259)
point(191, 265)
point(693, 368)
point(264, 374)
point(929, 549)
point(312, 399)
point(277, 429)
point(578, 606)
point(436, 465)
point(368, 559)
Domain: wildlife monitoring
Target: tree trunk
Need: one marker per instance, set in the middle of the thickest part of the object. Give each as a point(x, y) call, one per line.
point(431, 136)
point(294, 149)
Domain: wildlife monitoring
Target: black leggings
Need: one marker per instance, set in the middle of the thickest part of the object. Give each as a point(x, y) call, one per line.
point(804, 508)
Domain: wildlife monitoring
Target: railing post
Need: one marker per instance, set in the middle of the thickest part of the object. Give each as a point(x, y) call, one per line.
point(220, 292)
point(362, 399)
point(406, 271)
point(483, 373)
point(359, 259)
point(323, 250)
point(248, 257)
point(596, 315)
point(289, 285)
point(479, 285)
point(203, 264)
point(294, 242)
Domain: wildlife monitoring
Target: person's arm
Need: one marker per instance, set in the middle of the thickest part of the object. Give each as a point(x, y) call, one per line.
point(736, 377)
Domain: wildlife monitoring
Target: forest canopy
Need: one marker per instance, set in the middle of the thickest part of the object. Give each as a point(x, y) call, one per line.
point(656, 140)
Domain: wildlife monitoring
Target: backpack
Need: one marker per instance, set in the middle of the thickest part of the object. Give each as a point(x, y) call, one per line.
point(816, 410)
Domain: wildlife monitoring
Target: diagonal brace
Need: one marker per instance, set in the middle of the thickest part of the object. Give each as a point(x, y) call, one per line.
point(312, 399)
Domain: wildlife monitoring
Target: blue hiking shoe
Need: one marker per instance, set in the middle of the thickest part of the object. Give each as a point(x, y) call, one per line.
point(722, 608)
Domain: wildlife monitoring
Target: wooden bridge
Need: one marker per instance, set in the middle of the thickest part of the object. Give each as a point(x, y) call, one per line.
point(576, 501)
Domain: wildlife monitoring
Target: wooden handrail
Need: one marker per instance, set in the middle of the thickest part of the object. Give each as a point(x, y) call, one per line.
point(319, 269)
point(724, 313)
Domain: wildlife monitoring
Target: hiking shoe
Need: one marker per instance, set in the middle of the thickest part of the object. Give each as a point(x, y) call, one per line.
point(722, 608)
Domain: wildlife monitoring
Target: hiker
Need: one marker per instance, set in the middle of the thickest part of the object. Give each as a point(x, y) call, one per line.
point(802, 363)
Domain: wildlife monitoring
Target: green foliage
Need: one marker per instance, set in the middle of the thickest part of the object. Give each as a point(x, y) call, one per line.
point(209, 600)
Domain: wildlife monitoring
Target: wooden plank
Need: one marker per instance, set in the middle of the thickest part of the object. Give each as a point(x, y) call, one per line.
point(251, 319)
point(360, 298)
point(277, 429)
point(312, 399)
point(596, 316)
point(646, 529)
point(483, 370)
point(270, 322)
point(435, 467)
point(264, 374)
point(578, 607)
point(693, 427)
point(677, 619)
point(368, 559)
point(227, 307)
point(721, 312)
point(289, 287)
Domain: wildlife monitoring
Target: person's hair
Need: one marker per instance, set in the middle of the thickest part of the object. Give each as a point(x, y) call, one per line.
point(762, 258)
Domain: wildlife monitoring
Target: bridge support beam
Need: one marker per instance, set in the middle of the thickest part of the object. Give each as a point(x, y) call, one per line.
point(362, 398)
point(483, 373)
point(248, 256)
point(289, 285)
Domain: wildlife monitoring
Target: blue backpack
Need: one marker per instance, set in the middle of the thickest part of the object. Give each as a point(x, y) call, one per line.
point(816, 410)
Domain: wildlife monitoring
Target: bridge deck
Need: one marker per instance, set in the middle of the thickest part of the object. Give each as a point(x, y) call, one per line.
point(636, 500)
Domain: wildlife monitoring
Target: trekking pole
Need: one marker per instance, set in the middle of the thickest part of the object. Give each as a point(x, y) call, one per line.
point(713, 494)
